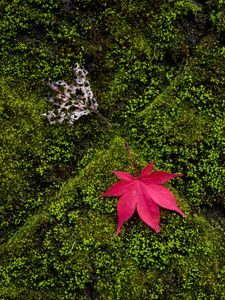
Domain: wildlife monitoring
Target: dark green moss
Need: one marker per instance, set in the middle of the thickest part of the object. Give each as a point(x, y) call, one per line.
point(185, 125)
point(157, 71)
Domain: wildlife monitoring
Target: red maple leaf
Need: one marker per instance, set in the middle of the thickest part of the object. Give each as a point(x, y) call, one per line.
point(144, 193)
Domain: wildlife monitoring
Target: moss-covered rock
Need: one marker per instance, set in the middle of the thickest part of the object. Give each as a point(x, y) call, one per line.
point(68, 249)
point(185, 126)
point(157, 71)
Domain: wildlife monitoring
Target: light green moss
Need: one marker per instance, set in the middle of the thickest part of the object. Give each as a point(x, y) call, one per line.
point(77, 247)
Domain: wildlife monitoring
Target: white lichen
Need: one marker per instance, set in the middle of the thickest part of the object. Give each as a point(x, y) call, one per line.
point(71, 100)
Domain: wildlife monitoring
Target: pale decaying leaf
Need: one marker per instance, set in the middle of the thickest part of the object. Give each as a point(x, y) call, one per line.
point(71, 100)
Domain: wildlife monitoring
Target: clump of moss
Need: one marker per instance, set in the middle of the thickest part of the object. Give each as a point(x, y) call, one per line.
point(69, 248)
point(185, 125)
point(36, 157)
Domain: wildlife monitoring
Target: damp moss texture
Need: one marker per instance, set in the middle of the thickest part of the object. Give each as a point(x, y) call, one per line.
point(157, 69)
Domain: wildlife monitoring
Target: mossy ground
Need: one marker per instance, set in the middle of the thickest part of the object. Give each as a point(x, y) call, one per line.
point(157, 70)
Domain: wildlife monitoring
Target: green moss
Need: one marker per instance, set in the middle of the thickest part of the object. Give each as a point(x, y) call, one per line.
point(35, 157)
point(73, 250)
point(185, 124)
point(157, 71)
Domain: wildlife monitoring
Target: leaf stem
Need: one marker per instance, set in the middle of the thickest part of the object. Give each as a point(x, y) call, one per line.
point(132, 159)
point(104, 118)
